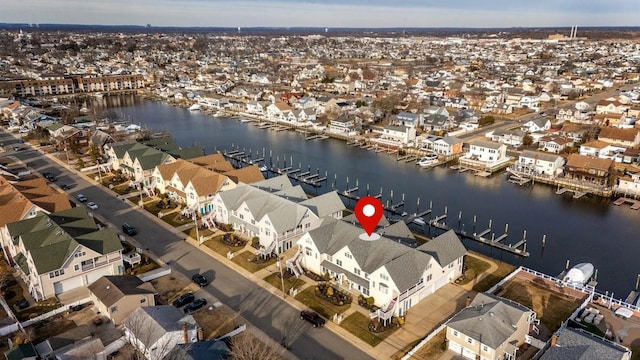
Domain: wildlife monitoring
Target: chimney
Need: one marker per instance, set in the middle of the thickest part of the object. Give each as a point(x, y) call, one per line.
point(185, 333)
point(200, 334)
point(468, 301)
point(554, 340)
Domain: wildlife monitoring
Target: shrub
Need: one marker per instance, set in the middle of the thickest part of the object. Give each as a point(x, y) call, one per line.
point(370, 301)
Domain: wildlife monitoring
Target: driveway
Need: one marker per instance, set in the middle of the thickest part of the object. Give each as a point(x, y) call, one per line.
point(267, 312)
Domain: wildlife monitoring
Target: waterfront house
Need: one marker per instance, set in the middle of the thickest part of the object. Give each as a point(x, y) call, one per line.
point(345, 125)
point(489, 328)
point(278, 112)
point(155, 330)
point(395, 275)
point(61, 251)
point(190, 184)
point(274, 211)
point(487, 152)
point(629, 184)
point(539, 163)
point(442, 145)
point(396, 135)
point(118, 296)
point(590, 170)
point(436, 122)
point(627, 138)
point(569, 343)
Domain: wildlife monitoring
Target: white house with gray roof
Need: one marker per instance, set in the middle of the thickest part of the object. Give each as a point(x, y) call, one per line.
point(485, 153)
point(274, 210)
point(490, 328)
point(155, 330)
point(397, 276)
point(539, 163)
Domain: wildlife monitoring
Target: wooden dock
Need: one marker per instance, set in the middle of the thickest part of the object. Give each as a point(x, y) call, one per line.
point(577, 194)
point(635, 204)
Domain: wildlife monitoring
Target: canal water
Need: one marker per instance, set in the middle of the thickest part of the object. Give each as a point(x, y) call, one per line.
point(584, 230)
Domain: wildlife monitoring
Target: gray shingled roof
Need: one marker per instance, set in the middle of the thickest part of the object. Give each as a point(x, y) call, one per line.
point(405, 264)
point(574, 344)
point(444, 248)
point(110, 289)
point(201, 350)
point(539, 155)
point(274, 184)
point(486, 144)
point(325, 204)
point(490, 319)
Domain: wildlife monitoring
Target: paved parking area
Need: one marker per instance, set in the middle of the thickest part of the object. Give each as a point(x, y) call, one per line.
point(425, 317)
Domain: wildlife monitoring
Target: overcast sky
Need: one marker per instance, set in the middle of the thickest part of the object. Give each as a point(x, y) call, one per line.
point(326, 13)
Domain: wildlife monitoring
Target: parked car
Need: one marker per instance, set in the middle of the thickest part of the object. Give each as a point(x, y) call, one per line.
point(76, 307)
point(313, 317)
point(51, 178)
point(18, 148)
point(200, 280)
point(128, 229)
point(93, 206)
point(195, 305)
point(22, 304)
point(8, 294)
point(65, 187)
point(183, 300)
point(81, 198)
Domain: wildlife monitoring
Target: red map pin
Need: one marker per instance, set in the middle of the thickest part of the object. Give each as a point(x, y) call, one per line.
point(368, 211)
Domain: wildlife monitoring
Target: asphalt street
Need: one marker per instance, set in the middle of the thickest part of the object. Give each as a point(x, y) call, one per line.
point(270, 313)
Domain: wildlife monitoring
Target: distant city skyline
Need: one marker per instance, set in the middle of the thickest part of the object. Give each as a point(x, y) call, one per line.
point(326, 13)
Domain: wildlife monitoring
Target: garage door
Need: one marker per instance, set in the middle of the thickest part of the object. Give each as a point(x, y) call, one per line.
point(455, 347)
point(468, 354)
point(66, 285)
point(97, 274)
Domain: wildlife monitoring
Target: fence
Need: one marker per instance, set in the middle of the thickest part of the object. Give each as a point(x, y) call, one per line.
point(54, 312)
point(154, 274)
point(424, 341)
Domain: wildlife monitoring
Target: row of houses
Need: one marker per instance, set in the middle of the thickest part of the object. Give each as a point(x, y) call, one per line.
point(72, 84)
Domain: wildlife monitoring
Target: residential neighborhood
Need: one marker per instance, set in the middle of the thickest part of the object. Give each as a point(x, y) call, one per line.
point(122, 242)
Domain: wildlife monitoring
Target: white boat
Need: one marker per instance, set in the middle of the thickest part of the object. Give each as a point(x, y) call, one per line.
point(428, 160)
point(99, 95)
point(579, 275)
point(263, 168)
point(419, 221)
point(218, 114)
point(195, 107)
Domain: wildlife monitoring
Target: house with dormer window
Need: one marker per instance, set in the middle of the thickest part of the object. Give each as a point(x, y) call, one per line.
point(61, 251)
point(397, 276)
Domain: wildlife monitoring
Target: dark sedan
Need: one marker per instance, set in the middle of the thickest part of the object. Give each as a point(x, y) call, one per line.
point(200, 280)
point(195, 305)
point(183, 300)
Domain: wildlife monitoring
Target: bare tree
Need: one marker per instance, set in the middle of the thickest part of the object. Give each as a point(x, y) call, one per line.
point(246, 346)
point(147, 336)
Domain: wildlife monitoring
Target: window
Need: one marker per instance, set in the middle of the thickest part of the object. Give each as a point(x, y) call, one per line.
point(143, 300)
point(241, 217)
point(485, 348)
point(356, 271)
point(79, 254)
point(421, 281)
point(76, 267)
point(383, 288)
point(267, 232)
point(308, 251)
point(114, 309)
point(455, 333)
point(366, 276)
point(56, 273)
point(348, 255)
point(469, 340)
point(429, 266)
point(429, 277)
point(329, 258)
point(384, 277)
point(338, 262)
point(253, 222)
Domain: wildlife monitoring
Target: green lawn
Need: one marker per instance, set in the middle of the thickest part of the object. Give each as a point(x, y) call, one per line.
point(245, 258)
point(218, 246)
point(358, 324)
point(318, 304)
point(291, 282)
